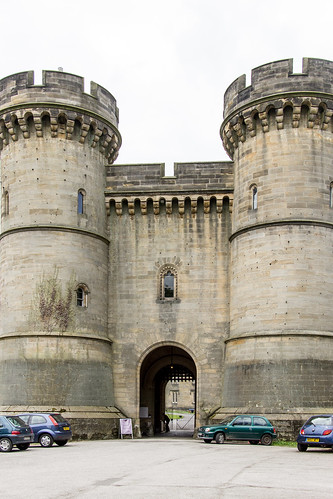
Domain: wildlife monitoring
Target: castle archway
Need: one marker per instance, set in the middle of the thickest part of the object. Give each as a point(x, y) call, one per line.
point(167, 363)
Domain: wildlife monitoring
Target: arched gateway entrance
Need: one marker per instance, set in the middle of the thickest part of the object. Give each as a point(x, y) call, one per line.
point(164, 363)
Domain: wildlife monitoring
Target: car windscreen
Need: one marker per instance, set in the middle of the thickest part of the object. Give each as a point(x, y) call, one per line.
point(58, 418)
point(16, 421)
point(320, 421)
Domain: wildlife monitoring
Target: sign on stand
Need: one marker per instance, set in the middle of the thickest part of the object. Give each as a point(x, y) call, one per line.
point(126, 427)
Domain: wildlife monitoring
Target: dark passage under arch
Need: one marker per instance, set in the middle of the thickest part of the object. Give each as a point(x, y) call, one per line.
point(163, 364)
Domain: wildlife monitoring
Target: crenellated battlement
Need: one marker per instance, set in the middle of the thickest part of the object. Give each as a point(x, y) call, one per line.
point(188, 177)
point(144, 189)
point(278, 98)
point(277, 78)
point(58, 108)
point(57, 87)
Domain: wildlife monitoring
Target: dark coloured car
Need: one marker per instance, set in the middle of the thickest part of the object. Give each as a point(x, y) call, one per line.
point(48, 428)
point(254, 429)
point(316, 432)
point(14, 431)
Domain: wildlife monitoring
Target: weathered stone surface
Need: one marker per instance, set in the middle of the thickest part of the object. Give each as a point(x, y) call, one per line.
point(248, 244)
point(277, 358)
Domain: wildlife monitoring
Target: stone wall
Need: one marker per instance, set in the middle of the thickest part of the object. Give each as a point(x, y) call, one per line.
point(205, 178)
point(196, 244)
point(55, 371)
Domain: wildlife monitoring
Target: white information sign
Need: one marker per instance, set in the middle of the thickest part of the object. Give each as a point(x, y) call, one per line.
point(126, 427)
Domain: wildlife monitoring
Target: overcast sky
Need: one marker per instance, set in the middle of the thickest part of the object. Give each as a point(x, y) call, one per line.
point(168, 63)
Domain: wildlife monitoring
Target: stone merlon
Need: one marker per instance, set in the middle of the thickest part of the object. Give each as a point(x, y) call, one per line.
point(277, 78)
point(59, 87)
point(209, 176)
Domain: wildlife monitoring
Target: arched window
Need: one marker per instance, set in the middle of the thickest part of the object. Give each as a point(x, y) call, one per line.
point(81, 201)
point(168, 283)
point(82, 295)
point(254, 197)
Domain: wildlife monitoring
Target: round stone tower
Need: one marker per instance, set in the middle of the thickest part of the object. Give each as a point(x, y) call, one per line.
point(55, 141)
point(278, 131)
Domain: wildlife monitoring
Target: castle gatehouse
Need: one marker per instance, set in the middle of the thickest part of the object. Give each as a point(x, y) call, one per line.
point(115, 279)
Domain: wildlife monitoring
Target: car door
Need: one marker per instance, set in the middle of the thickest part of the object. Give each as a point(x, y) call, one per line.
point(259, 427)
point(37, 422)
point(241, 428)
point(3, 429)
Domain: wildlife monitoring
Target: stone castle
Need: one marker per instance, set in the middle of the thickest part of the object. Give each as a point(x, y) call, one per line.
point(116, 279)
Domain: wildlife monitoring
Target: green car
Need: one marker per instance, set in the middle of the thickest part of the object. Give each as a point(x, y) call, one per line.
point(255, 429)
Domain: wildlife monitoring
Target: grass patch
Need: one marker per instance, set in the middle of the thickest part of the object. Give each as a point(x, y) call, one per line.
point(180, 411)
point(177, 414)
point(173, 416)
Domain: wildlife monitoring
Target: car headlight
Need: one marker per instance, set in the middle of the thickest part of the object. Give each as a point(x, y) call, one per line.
point(207, 429)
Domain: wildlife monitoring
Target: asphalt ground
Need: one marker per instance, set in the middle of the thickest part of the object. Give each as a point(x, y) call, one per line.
point(164, 468)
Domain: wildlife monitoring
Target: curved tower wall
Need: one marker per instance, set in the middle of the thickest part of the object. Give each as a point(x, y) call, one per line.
point(278, 131)
point(54, 142)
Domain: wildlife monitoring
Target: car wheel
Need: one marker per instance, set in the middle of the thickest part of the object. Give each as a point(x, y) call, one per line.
point(219, 438)
point(266, 439)
point(254, 442)
point(23, 446)
point(207, 440)
point(61, 443)
point(302, 447)
point(45, 440)
point(6, 445)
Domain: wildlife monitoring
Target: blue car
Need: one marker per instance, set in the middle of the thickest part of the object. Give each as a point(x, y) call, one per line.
point(48, 428)
point(14, 431)
point(316, 432)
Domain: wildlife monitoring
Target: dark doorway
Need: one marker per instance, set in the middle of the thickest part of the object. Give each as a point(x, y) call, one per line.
point(161, 365)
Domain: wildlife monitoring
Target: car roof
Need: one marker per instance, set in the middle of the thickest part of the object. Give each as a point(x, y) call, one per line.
point(247, 415)
point(321, 416)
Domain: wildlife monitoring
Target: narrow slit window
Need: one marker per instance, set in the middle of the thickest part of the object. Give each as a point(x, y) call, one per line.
point(6, 203)
point(80, 202)
point(331, 195)
point(254, 197)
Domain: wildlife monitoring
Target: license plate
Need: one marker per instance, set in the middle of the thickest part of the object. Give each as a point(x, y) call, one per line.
point(26, 438)
point(312, 439)
point(66, 428)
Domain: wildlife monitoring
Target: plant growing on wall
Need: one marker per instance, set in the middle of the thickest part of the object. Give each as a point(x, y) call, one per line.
point(52, 310)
